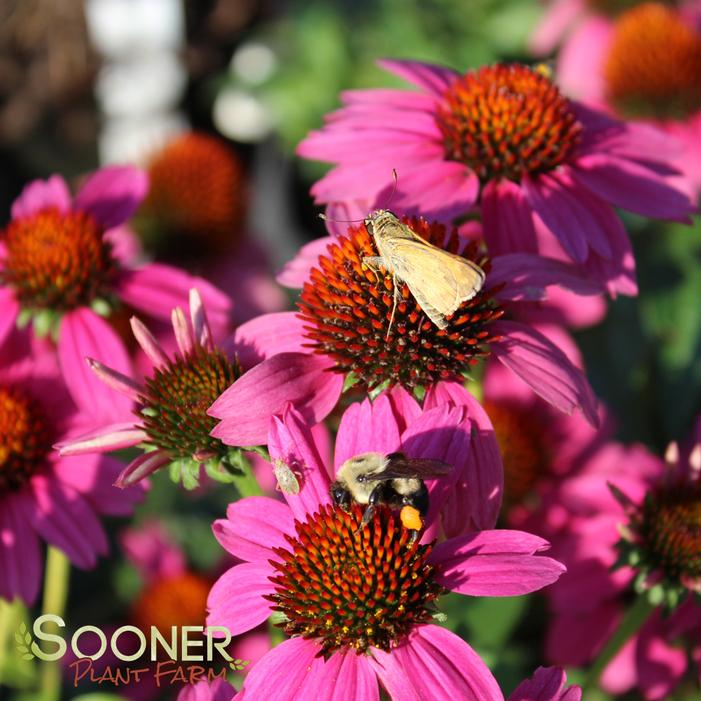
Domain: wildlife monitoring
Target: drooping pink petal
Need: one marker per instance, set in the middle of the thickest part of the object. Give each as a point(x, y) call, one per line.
point(20, 560)
point(41, 194)
point(434, 663)
point(103, 440)
point(633, 187)
point(267, 335)
point(245, 408)
point(84, 335)
point(291, 441)
point(547, 684)
point(115, 380)
point(253, 526)
point(367, 427)
point(156, 289)
point(141, 467)
point(148, 343)
point(112, 194)
point(9, 309)
point(296, 272)
point(236, 599)
point(495, 563)
point(480, 487)
point(63, 518)
point(432, 78)
point(545, 369)
point(283, 672)
point(506, 219)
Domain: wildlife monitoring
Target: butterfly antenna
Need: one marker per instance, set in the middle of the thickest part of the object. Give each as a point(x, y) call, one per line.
point(395, 300)
point(323, 217)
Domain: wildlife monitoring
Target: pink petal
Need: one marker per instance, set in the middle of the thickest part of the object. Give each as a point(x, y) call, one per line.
point(495, 563)
point(84, 335)
point(506, 219)
point(253, 526)
point(198, 319)
point(367, 427)
point(93, 477)
point(103, 440)
point(435, 664)
point(236, 599)
point(42, 194)
point(157, 289)
point(116, 380)
point(282, 673)
point(406, 408)
point(292, 441)
point(150, 346)
point(216, 690)
point(526, 277)
point(64, 519)
point(9, 309)
point(660, 664)
point(20, 560)
point(632, 186)
point(126, 245)
point(556, 20)
point(112, 194)
point(152, 551)
point(295, 273)
point(432, 78)
point(268, 335)
point(140, 468)
point(545, 369)
point(182, 331)
point(304, 380)
point(546, 685)
point(480, 486)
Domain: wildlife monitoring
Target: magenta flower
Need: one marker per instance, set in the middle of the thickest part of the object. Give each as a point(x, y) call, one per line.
point(356, 624)
point(643, 63)
point(216, 690)
point(547, 684)
point(545, 172)
point(62, 267)
point(44, 496)
point(183, 385)
point(657, 514)
point(342, 332)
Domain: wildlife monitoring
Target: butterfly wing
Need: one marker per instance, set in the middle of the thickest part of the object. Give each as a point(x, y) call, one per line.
point(440, 281)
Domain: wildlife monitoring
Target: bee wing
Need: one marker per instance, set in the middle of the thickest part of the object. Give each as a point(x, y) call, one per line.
point(398, 466)
point(440, 281)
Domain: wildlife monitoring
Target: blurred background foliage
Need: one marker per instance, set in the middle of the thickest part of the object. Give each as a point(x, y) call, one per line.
point(644, 360)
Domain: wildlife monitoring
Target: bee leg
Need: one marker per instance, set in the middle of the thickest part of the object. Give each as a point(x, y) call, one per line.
point(341, 496)
point(413, 537)
point(376, 497)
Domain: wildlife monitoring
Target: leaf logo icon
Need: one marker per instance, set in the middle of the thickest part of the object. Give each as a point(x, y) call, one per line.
point(237, 665)
point(24, 641)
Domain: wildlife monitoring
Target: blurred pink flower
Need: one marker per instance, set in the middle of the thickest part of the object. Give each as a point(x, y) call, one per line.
point(184, 384)
point(343, 330)
point(642, 63)
point(60, 267)
point(584, 521)
point(547, 684)
point(287, 553)
point(44, 496)
point(216, 690)
point(544, 171)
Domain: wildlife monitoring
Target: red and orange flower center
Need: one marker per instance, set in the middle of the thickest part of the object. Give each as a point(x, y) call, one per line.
point(176, 397)
point(653, 68)
point(524, 452)
point(348, 308)
point(507, 121)
point(56, 260)
point(24, 442)
point(670, 529)
point(350, 587)
point(197, 194)
point(178, 601)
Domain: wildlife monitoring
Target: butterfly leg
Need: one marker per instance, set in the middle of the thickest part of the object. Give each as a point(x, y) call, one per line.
point(374, 263)
point(395, 301)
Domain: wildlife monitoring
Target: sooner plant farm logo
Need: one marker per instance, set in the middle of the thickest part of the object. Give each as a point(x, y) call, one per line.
point(163, 656)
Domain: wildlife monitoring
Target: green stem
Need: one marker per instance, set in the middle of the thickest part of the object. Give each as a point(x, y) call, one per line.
point(58, 569)
point(243, 479)
point(632, 621)
point(6, 618)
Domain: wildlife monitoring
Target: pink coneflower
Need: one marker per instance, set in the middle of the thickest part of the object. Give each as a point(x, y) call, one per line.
point(643, 63)
point(44, 496)
point(60, 268)
point(546, 172)
point(358, 602)
point(170, 421)
point(547, 684)
point(656, 507)
point(342, 333)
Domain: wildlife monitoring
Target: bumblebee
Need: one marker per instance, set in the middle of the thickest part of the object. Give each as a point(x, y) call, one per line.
point(394, 480)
